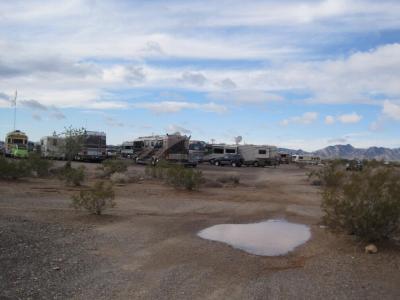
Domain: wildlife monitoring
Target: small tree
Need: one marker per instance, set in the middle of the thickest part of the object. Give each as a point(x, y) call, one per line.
point(95, 200)
point(74, 140)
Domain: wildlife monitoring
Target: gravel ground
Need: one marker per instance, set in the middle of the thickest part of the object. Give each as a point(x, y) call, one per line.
point(147, 247)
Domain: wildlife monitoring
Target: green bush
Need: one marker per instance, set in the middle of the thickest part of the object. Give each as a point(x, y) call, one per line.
point(39, 165)
point(181, 177)
point(111, 166)
point(331, 175)
point(176, 175)
point(366, 204)
point(70, 175)
point(14, 169)
point(95, 200)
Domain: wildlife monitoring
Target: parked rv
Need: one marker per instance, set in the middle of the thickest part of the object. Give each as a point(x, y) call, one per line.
point(16, 144)
point(52, 147)
point(127, 150)
point(284, 158)
point(94, 147)
point(197, 150)
point(306, 159)
point(214, 151)
point(2, 145)
point(170, 147)
point(259, 155)
point(112, 151)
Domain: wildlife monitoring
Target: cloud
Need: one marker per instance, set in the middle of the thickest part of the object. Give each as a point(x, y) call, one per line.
point(337, 141)
point(110, 121)
point(245, 96)
point(226, 83)
point(177, 106)
point(36, 117)
point(177, 128)
point(194, 78)
point(58, 115)
point(33, 104)
point(306, 118)
point(329, 120)
point(391, 110)
point(350, 118)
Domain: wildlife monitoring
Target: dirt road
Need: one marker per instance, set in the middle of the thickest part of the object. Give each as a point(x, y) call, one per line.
point(147, 247)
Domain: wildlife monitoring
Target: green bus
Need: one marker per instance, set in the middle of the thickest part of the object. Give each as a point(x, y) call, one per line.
point(16, 144)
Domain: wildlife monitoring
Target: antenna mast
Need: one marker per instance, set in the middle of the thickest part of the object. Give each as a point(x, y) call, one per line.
point(15, 108)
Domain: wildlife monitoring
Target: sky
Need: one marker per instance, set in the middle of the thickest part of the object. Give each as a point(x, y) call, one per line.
point(296, 74)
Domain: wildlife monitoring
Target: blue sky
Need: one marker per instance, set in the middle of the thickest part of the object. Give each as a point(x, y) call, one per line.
point(298, 74)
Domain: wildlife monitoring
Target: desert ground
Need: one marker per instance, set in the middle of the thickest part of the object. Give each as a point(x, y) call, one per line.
point(147, 246)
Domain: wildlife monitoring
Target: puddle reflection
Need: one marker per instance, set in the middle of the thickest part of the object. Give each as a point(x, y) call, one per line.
point(268, 238)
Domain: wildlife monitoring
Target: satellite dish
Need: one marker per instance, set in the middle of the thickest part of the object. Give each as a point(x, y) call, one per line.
point(238, 139)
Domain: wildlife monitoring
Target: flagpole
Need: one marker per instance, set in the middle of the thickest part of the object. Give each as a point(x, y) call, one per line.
point(15, 108)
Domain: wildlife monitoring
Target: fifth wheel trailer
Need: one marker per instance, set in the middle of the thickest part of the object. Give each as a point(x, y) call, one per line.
point(259, 155)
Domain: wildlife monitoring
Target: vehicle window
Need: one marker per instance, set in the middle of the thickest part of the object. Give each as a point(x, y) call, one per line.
point(232, 151)
point(218, 150)
point(262, 151)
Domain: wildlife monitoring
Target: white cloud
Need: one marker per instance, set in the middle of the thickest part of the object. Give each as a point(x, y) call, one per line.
point(306, 118)
point(177, 106)
point(391, 110)
point(172, 128)
point(329, 120)
point(350, 118)
point(246, 96)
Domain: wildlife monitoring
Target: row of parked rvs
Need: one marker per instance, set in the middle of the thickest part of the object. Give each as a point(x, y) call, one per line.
point(171, 147)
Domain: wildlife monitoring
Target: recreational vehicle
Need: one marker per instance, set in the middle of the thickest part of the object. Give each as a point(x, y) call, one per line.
point(306, 159)
point(16, 144)
point(127, 149)
point(94, 146)
point(214, 151)
point(258, 155)
point(197, 150)
point(171, 147)
point(2, 147)
point(52, 147)
point(284, 158)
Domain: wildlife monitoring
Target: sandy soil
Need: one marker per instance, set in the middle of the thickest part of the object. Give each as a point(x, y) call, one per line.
point(147, 247)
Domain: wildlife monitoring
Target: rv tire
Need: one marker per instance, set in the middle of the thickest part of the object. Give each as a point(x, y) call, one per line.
point(234, 165)
point(256, 164)
point(216, 163)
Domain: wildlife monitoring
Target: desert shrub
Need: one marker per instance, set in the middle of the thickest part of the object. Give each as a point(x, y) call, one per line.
point(96, 199)
point(70, 175)
point(331, 175)
point(181, 177)
point(119, 178)
point(14, 169)
point(231, 179)
point(367, 204)
point(111, 166)
point(39, 165)
point(175, 175)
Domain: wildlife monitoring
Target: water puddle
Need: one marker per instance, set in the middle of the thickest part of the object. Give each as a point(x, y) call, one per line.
point(268, 238)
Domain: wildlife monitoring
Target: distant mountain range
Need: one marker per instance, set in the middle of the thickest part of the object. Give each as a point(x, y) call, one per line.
point(349, 152)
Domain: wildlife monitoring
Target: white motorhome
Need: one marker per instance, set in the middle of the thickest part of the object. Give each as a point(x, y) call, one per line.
point(52, 147)
point(306, 159)
point(259, 155)
point(197, 150)
point(219, 150)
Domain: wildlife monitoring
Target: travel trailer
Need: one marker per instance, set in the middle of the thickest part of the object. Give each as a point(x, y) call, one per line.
point(259, 155)
point(306, 159)
point(16, 144)
point(214, 151)
point(94, 147)
point(52, 147)
point(171, 147)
